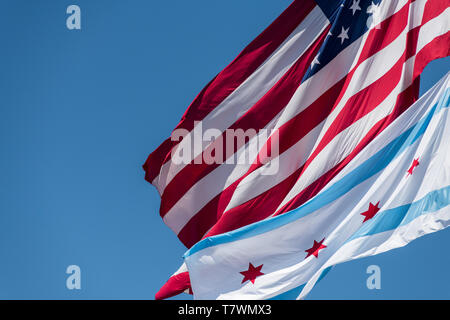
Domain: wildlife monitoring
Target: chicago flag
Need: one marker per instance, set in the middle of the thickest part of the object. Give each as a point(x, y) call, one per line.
point(396, 190)
point(326, 78)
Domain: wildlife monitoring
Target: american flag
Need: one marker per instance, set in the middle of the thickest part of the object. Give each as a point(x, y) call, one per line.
point(325, 78)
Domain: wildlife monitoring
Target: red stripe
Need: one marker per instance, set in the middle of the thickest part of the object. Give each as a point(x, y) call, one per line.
point(175, 285)
point(232, 77)
point(411, 44)
point(256, 118)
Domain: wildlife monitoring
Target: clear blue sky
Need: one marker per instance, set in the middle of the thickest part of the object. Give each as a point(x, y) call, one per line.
point(79, 113)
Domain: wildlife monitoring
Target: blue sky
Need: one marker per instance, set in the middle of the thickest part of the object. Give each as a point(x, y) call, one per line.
point(79, 113)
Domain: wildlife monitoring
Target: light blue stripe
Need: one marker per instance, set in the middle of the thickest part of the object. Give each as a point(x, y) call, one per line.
point(289, 295)
point(396, 217)
point(294, 293)
point(370, 167)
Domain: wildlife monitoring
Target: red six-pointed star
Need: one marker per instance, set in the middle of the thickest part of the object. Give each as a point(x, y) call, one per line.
point(373, 210)
point(413, 166)
point(317, 246)
point(252, 273)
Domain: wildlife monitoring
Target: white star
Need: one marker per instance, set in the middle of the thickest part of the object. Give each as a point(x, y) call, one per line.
point(374, 19)
point(315, 61)
point(355, 6)
point(343, 35)
point(372, 8)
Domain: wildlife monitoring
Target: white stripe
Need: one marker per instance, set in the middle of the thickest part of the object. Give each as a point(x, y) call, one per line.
point(182, 269)
point(416, 13)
